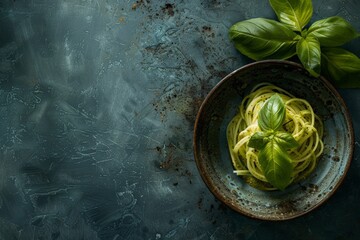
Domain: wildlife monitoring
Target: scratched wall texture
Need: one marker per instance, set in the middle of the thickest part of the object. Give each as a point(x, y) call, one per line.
point(97, 104)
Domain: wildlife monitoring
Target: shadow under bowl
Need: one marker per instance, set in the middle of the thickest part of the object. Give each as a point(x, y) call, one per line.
point(214, 162)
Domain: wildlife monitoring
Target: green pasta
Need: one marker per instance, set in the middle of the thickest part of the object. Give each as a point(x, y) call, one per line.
point(301, 121)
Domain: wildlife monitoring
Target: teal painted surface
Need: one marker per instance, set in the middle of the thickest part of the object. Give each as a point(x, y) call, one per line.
point(98, 101)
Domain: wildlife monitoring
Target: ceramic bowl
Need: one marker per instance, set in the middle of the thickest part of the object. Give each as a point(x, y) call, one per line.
point(211, 150)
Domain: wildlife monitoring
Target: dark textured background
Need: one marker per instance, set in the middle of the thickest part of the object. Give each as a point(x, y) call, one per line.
point(97, 104)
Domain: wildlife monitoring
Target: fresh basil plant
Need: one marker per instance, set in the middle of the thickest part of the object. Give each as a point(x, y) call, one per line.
point(316, 47)
point(273, 143)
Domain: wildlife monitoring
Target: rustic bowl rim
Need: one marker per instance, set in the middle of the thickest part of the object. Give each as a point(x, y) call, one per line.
point(213, 189)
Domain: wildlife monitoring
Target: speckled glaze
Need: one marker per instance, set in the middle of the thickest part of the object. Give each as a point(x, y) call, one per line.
point(213, 160)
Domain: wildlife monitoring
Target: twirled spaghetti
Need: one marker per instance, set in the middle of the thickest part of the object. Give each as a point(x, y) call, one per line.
point(301, 121)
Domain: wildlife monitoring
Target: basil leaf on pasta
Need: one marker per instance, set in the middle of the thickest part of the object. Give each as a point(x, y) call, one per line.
point(258, 140)
point(276, 165)
point(272, 114)
point(285, 140)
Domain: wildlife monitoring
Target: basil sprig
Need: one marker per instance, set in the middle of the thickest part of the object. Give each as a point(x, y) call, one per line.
point(261, 38)
point(273, 143)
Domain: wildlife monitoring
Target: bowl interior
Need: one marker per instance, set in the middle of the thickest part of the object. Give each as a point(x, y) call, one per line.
point(213, 159)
